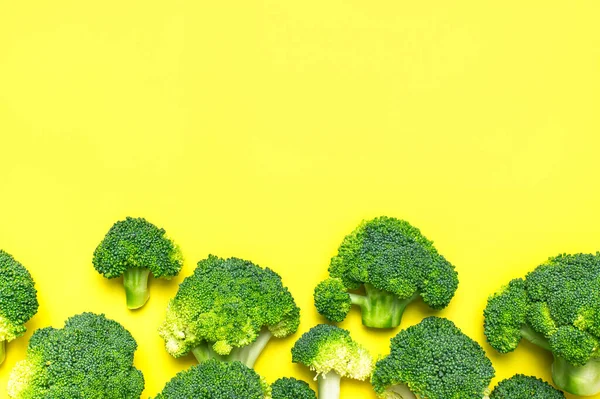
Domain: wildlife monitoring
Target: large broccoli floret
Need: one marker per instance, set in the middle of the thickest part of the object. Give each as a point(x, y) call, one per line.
point(331, 353)
point(521, 386)
point(18, 300)
point(433, 360)
point(291, 388)
point(394, 264)
point(213, 379)
point(90, 358)
point(228, 310)
point(134, 248)
point(557, 307)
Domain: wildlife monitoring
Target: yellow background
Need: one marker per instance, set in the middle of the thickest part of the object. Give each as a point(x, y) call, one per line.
point(268, 129)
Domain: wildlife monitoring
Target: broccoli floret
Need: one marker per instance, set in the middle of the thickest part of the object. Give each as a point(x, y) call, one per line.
point(394, 264)
point(90, 358)
point(291, 388)
point(18, 300)
point(213, 379)
point(521, 386)
point(228, 310)
point(434, 360)
point(331, 353)
point(556, 307)
point(134, 248)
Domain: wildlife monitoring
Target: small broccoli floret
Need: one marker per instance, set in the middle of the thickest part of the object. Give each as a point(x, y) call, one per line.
point(394, 264)
point(291, 388)
point(134, 248)
point(228, 310)
point(331, 353)
point(216, 380)
point(433, 360)
point(18, 300)
point(521, 386)
point(557, 307)
point(91, 357)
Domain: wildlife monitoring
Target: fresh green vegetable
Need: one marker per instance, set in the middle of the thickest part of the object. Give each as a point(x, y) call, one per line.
point(213, 379)
point(18, 300)
point(90, 358)
point(228, 310)
point(291, 388)
point(556, 307)
point(394, 264)
point(331, 353)
point(520, 386)
point(433, 360)
point(134, 248)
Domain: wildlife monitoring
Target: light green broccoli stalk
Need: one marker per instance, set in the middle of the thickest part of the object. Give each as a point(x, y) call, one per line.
point(520, 386)
point(433, 360)
point(91, 357)
point(134, 248)
point(331, 353)
point(394, 264)
point(291, 388)
point(228, 310)
point(556, 307)
point(18, 300)
point(213, 379)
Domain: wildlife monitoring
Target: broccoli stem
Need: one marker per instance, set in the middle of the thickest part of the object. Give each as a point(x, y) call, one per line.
point(329, 385)
point(135, 280)
point(534, 337)
point(578, 380)
point(399, 391)
point(381, 309)
point(204, 352)
point(249, 353)
point(2, 351)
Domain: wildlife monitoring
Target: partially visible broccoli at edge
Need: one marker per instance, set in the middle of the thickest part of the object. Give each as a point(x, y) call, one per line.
point(331, 353)
point(395, 264)
point(291, 388)
point(91, 358)
point(228, 310)
point(435, 360)
point(521, 386)
point(18, 300)
point(134, 248)
point(213, 379)
point(556, 307)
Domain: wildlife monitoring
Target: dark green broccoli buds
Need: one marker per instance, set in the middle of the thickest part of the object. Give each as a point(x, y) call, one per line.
point(216, 380)
point(291, 388)
point(18, 300)
point(331, 353)
point(91, 357)
point(433, 360)
point(134, 248)
point(557, 307)
point(228, 310)
point(394, 264)
point(520, 386)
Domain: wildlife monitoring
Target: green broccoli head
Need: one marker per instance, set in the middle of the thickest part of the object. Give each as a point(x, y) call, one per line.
point(133, 248)
point(228, 309)
point(395, 264)
point(18, 300)
point(433, 360)
point(91, 358)
point(213, 379)
point(291, 388)
point(331, 353)
point(557, 307)
point(521, 386)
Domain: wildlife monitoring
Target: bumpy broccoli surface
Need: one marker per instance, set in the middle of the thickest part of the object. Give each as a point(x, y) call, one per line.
point(90, 358)
point(213, 379)
point(331, 353)
point(18, 300)
point(228, 310)
point(291, 388)
point(395, 264)
point(521, 386)
point(434, 360)
point(557, 307)
point(134, 248)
